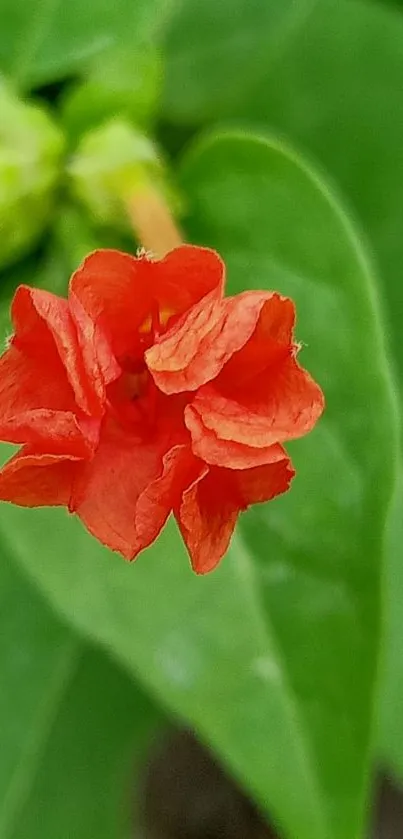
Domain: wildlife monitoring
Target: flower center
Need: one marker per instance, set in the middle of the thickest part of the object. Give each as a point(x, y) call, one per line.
point(156, 322)
point(134, 396)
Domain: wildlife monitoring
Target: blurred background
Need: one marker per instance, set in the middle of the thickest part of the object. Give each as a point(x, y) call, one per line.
point(141, 703)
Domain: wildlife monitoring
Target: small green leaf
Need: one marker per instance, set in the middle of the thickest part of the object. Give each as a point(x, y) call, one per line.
point(45, 40)
point(273, 656)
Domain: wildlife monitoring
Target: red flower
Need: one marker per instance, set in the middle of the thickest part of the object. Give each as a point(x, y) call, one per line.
point(148, 392)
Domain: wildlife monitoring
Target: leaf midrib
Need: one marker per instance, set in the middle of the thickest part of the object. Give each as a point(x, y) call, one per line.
point(246, 574)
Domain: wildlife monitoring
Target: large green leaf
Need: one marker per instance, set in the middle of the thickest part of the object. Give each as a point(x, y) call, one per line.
point(215, 51)
point(74, 727)
point(273, 656)
point(320, 547)
point(336, 89)
point(202, 645)
point(44, 40)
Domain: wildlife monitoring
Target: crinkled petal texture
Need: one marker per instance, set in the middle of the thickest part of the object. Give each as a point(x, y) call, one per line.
point(209, 508)
point(46, 395)
point(148, 392)
point(38, 480)
point(120, 293)
point(284, 406)
point(126, 492)
point(196, 348)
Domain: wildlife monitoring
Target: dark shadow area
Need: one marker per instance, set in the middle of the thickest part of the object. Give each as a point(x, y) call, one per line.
point(186, 794)
point(388, 819)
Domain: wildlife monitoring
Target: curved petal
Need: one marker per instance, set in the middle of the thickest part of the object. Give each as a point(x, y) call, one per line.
point(37, 406)
point(255, 486)
point(52, 432)
point(98, 359)
point(45, 332)
point(27, 383)
point(121, 292)
point(196, 348)
point(37, 480)
point(270, 343)
point(280, 406)
point(206, 519)
point(226, 453)
point(126, 493)
point(187, 274)
point(210, 507)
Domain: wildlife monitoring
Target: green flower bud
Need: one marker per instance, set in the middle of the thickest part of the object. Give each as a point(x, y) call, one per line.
point(112, 165)
point(30, 151)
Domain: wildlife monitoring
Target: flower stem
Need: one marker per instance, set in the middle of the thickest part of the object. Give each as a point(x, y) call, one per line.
point(152, 222)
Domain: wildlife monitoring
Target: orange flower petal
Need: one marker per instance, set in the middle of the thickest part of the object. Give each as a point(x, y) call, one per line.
point(38, 480)
point(28, 383)
point(196, 348)
point(210, 507)
point(268, 345)
point(122, 448)
point(185, 275)
point(37, 405)
point(175, 360)
point(206, 518)
point(263, 483)
point(119, 292)
point(126, 492)
point(52, 432)
point(45, 331)
point(283, 405)
point(213, 450)
point(98, 359)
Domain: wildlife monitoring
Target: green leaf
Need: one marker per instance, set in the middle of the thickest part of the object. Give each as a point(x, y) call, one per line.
point(336, 90)
point(200, 645)
point(207, 43)
point(320, 547)
point(273, 656)
point(45, 40)
point(391, 697)
point(37, 655)
point(74, 727)
point(340, 97)
point(85, 781)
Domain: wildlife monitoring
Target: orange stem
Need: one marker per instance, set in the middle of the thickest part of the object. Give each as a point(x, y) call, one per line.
point(152, 222)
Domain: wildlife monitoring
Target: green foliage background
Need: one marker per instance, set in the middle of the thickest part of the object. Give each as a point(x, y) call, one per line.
point(282, 125)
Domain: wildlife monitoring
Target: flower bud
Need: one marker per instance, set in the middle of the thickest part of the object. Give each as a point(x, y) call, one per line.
point(113, 164)
point(30, 151)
